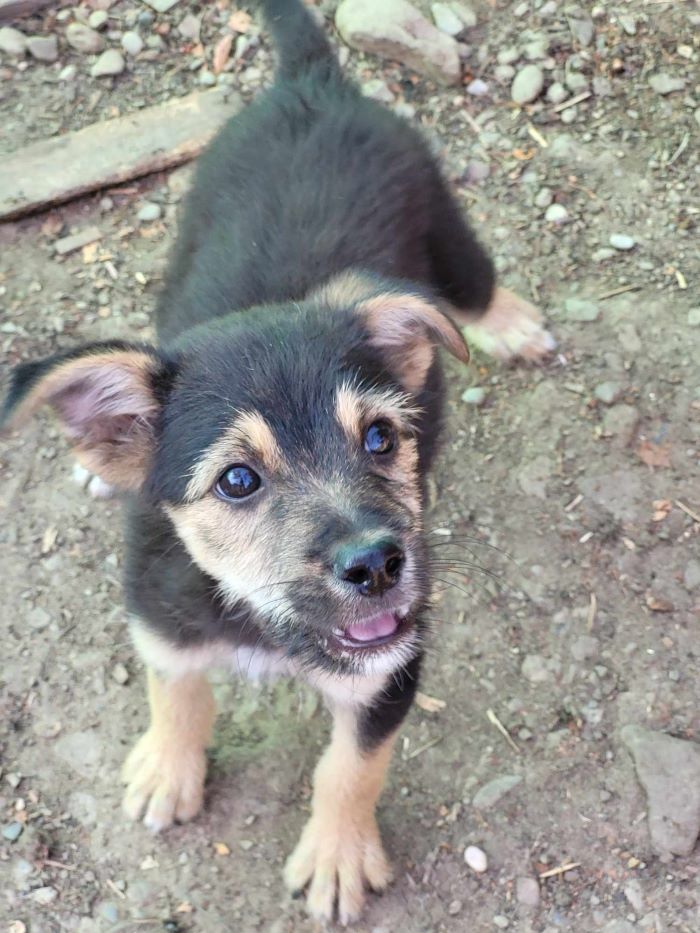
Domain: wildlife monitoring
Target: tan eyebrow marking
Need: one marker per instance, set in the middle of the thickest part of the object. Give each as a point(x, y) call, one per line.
point(249, 432)
point(354, 408)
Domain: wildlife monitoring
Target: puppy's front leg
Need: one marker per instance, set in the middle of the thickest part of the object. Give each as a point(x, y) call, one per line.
point(340, 850)
point(165, 771)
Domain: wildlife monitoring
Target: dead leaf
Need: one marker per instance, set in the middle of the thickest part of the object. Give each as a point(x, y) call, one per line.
point(524, 155)
point(90, 253)
point(240, 21)
point(221, 848)
point(654, 455)
point(429, 704)
point(658, 604)
point(222, 50)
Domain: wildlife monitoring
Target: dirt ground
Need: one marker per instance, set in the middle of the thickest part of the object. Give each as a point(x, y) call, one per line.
point(574, 489)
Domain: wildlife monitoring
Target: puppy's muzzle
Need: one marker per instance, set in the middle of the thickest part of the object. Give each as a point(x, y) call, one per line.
point(370, 568)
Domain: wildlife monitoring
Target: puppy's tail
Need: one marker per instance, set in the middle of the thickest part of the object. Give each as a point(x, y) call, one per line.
point(301, 44)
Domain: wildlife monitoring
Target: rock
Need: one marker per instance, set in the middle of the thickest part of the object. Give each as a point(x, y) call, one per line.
point(527, 891)
point(97, 19)
point(476, 859)
point(621, 423)
point(556, 214)
point(475, 395)
point(633, 893)
point(581, 310)
point(576, 82)
point(38, 618)
point(501, 922)
point(477, 172)
point(465, 13)
point(536, 49)
point(84, 39)
point(628, 23)
point(453, 908)
point(694, 317)
point(110, 62)
point(622, 241)
point(397, 30)
point(504, 73)
point(508, 55)
point(544, 197)
point(44, 896)
point(120, 674)
point(582, 30)
point(491, 793)
point(446, 19)
point(527, 84)
point(378, 90)
point(161, 6)
point(584, 648)
point(600, 255)
point(669, 771)
point(536, 669)
point(207, 79)
point(149, 212)
point(83, 807)
point(12, 42)
point(82, 751)
point(602, 87)
point(664, 83)
point(534, 476)
point(477, 88)
point(190, 27)
point(691, 575)
point(68, 73)
point(608, 392)
point(12, 831)
point(132, 43)
point(43, 48)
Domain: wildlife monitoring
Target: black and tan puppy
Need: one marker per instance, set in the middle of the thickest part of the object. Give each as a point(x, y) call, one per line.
point(274, 445)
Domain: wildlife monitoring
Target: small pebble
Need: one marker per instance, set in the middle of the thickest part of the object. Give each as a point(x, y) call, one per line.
point(454, 907)
point(556, 214)
point(446, 19)
point(132, 43)
point(44, 896)
point(377, 89)
point(474, 396)
point(120, 674)
point(97, 19)
point(43, 48)
point(527, 84)
point(580, 309)
point(67, 73)
point(557, 93)
point(477, 88)
point(622, 241)
point(149, 212)
point(84, 39)
point(544, 197)
point(12, 42)
point(600, 255)
point(206, 78)
point(607, 392)
point(501, 922)
point(12, 831)
point(664, 83)
point(694, 317)
point(109, 63)
point(476, 859)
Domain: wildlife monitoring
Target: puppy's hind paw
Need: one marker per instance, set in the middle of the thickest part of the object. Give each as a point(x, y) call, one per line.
point(94, 484)
point(511, 328)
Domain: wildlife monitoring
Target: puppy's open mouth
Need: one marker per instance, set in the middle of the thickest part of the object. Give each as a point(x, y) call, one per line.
point(372, 633)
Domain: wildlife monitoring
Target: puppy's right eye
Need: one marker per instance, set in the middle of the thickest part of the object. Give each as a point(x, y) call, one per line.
point(237, 482)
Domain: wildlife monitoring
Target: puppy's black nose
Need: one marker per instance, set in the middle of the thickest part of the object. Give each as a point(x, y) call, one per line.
point(372, 569)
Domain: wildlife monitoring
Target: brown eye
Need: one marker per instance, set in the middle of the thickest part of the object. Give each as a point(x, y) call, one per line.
point(380, 438)
point(237, 482)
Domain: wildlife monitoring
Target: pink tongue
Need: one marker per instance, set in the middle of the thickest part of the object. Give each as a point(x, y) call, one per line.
point(380, 627)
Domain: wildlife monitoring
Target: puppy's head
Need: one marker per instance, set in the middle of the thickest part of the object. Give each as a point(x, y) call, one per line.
point(284, 444)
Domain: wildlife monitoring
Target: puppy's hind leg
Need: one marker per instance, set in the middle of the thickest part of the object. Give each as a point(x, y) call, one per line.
point(494, 319)
point(165, 771)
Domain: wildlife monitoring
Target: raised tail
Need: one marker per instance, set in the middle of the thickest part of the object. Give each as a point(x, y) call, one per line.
point(300, 43)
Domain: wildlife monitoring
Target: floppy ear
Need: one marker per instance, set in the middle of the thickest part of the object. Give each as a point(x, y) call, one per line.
point(107, 396)
point(407, 327)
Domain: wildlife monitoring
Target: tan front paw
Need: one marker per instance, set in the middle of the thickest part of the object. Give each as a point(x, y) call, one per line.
point(511, 328)
point(165, 783)
point(337, 863)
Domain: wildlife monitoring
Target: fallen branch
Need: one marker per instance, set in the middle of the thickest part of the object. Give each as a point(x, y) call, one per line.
point(55, 170)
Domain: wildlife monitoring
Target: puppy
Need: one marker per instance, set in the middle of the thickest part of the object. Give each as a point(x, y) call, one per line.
point(273, 446)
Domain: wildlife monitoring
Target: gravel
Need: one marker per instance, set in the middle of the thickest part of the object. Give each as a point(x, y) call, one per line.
point(581, 310)
point(527, 891)
point(556, 214)
point(109, 63)
point(12, 42)
point(475, 395)
point(476, 859)
point(149, 212)
point(84, 39)
point(664, 83)
point(132, 43)
point(622, 241)
point(446, 19)
point(527, 84)
point(43, 48)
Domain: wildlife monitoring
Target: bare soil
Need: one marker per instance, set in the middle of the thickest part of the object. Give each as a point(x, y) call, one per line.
point(567, 504)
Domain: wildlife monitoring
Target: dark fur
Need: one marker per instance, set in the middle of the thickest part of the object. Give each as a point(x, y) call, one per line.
point(311, 180)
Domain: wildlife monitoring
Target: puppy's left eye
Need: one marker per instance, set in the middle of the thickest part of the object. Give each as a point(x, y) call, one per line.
point(237, 482)
point(380, 438)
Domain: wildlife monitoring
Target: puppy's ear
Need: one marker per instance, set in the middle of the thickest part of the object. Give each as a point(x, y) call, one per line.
point(406, 328)
point(107, 396)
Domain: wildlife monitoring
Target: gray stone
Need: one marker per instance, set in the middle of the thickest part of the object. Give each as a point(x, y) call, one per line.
point(161, 6)
point(527, 891)
point(508, 55)
point(149, 212)
point(190, 27)
point(84, 39)
point(581, 310)
point(664, 83)
point(691, 575)
point(43, 48)
point(582, 30)
point(12, 831)
point(395, 29)
point(83, 807)
point(38, 618)
point(446, 19)
point(694, 317)
point(576, 82)
point(557, 93)
point(120, 674)
point(622, 241)
point(44, 896)
point(378, 90)
point(82, 751)
point(207, 78)
point(68, 73)
point(536, 669)
point(477, 88)
point(621, 423)
point(97, 19)
point(669, 771)
point(608, 392)
point(504, 73)
point(491, 793)
point(544, 197)
point(628, 23)
point(633, 893)
point(110, 62)
point(475, 395)
point(600, 255)
point(602, 87)
point(556, 214)
point(132, 43)
point(501, 922)
point(585, 648)
point(12, 42)
point(477, 172)
point(527, 84)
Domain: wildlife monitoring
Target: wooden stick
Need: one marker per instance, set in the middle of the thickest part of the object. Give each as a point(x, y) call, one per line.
point(109, 153)
point(559, 870)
